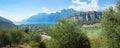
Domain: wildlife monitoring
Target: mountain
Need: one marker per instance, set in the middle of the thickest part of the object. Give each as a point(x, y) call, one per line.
point(44, 18)
point(5, 24)
point(91, 16)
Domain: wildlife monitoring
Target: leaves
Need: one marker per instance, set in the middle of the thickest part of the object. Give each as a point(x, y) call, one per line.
point(68, 34)
point(110, 25)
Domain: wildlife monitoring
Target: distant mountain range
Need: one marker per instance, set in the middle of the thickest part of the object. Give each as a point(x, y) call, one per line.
point(5, 20)
point(5, 24)
point(43, 18)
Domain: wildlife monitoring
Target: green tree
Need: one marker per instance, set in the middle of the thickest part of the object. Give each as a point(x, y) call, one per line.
point(52, 43)
point(111, 26)
point(15, 36)
point(3, 39)
point(26, 30)
point(34, 39)
point(42, 45)
point(69, 35)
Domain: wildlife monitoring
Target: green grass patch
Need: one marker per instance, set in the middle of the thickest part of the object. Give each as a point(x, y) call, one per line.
point(94, 34)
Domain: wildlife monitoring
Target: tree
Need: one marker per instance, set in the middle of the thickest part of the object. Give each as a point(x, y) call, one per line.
point(69, 35)
point(26, 30)
point(111, 26)
point(34, 39)
point(52, 43)
point(3, 39)
point(15, 36)
point(42, 44)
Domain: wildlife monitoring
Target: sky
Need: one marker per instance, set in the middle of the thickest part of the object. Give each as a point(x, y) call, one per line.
point(18, 10)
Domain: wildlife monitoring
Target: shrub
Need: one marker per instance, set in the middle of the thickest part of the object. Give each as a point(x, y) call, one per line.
point(69, 35)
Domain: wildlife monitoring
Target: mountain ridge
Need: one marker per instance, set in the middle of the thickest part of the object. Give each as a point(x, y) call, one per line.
point(5, 24)
point(52, 18)
point(44, 18)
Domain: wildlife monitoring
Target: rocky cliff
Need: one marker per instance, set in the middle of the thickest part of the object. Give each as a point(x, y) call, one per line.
point(86, 16)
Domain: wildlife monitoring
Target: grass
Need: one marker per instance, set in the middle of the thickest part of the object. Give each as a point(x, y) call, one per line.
point(94, 34)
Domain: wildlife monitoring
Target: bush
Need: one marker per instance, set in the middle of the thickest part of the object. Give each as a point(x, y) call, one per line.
point(52, 44)
point(111, 26)
point(15, 36)
point(4, 40)
point(33, 39)
point(69, 35)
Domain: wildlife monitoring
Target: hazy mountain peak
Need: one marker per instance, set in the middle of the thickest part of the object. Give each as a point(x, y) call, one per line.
point(5, 20)
point(5, 24)
point(43, 18)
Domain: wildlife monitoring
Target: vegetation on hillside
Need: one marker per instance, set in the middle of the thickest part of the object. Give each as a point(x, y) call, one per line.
point(16, 38)
point(68, 33)
point(111, 26)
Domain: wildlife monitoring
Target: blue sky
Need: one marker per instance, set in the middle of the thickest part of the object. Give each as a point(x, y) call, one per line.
point(17, 10)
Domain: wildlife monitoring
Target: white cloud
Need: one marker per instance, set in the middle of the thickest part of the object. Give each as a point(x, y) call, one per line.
point(44, 9)
point(85, 6)
point(4, 14)
point(17, 17)
point(1, 13)
point(105, 7)
point(14, 18)
point(79, 2)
